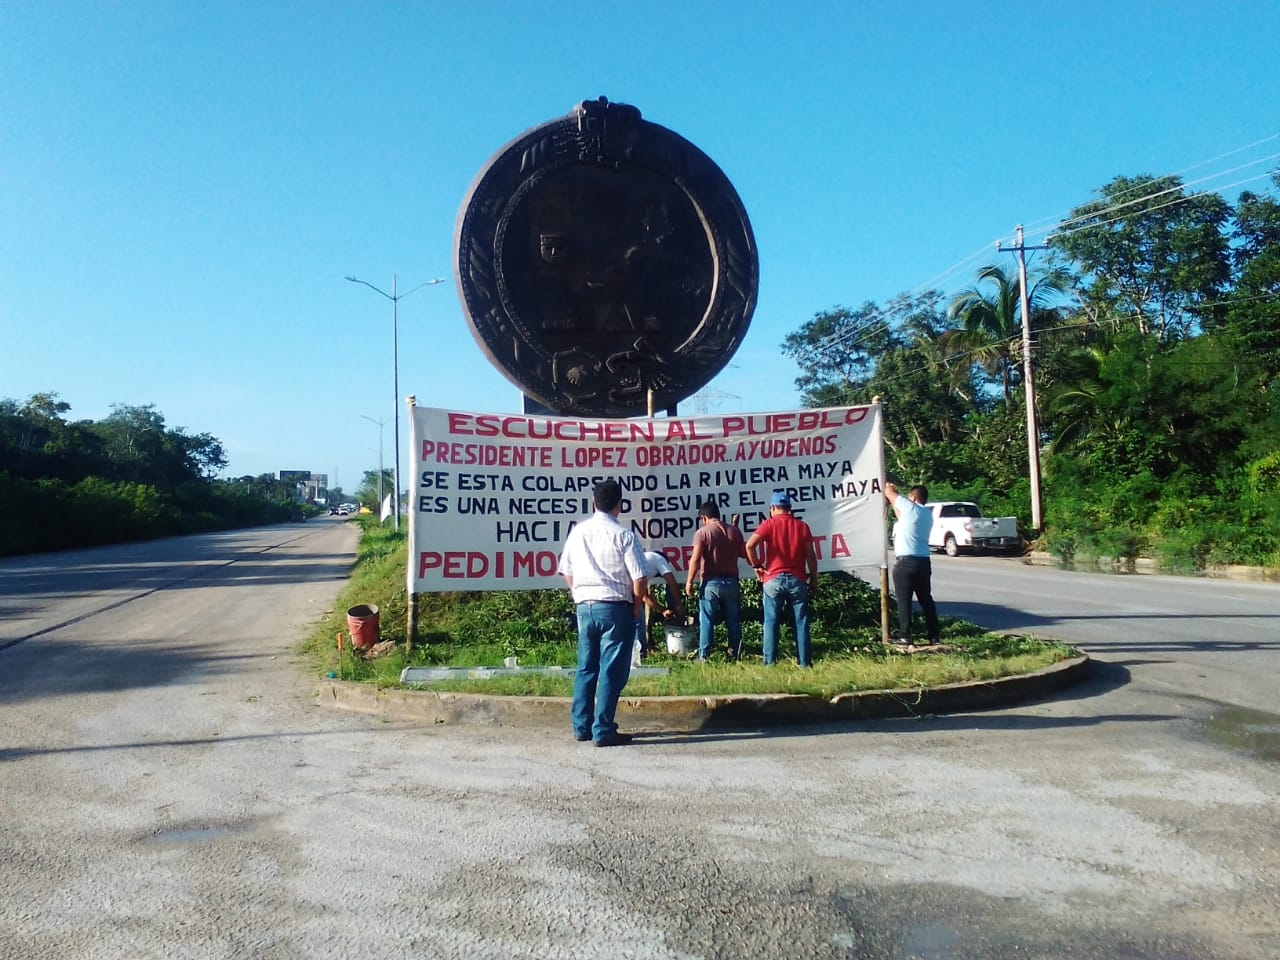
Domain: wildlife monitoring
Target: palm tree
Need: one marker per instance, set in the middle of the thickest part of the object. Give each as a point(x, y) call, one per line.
point(1073, 402)
point(990, 328)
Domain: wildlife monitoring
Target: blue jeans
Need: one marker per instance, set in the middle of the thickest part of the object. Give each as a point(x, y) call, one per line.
point(605, 634)
point(721, 601)
point(787, 589)
point(642, 633)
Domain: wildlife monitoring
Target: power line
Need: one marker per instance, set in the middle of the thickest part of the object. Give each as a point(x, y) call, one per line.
point(1035, 228)
point(1182, 198)
point(1119, 203)
point(863, 330)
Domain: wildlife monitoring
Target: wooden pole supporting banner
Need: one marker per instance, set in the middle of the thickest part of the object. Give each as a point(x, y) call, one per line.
point(410, 624)
point(884, 567)
point(884, 604)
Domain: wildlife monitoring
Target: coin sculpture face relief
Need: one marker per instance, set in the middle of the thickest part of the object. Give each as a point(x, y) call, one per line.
point(601, 258)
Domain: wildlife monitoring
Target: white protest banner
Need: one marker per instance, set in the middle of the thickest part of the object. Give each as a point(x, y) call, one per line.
point(493, 496)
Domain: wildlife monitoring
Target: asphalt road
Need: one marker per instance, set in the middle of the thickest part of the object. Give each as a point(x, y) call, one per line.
point(169, 788)
point(1218, 638)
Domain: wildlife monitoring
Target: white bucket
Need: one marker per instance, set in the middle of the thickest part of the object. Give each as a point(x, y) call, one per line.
point(677, 639)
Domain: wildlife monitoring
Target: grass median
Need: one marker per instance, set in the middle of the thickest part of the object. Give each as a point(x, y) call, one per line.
point(538, 628)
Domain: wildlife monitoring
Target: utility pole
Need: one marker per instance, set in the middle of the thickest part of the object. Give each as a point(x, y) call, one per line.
point(1033, 428)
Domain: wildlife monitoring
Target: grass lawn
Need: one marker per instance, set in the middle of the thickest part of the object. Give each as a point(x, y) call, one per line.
point(538, 627)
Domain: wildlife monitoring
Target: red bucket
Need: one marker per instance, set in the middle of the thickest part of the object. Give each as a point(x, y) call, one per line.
point(362, 623)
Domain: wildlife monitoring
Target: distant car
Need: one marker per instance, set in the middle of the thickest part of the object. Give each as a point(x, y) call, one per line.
point(333, 511)
point(959, 525)
point(343, 511)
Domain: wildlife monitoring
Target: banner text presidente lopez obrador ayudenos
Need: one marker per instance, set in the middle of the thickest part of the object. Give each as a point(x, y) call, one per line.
point(492, 496)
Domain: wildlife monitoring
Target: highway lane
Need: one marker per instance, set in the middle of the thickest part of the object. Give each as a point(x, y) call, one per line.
point(170, 788)
point(44, 592)
point(1220, 638)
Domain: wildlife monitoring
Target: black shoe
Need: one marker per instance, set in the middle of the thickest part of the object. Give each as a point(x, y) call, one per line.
point(582, 737)
point(614, 740)
point(902, 641)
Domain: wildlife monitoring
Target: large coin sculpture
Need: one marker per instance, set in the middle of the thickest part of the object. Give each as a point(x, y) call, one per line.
point(605, 264)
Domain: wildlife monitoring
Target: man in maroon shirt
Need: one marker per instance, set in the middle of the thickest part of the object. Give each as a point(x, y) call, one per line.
point(789, 574)
point(717, 546)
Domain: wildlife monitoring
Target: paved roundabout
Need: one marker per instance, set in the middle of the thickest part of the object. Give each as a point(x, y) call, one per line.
point(696, 713)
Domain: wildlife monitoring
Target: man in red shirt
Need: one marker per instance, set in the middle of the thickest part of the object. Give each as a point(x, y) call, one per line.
point(789, 574)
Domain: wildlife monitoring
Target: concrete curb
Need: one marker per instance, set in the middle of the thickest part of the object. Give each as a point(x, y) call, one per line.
point(693, 714)
point(1039, 558)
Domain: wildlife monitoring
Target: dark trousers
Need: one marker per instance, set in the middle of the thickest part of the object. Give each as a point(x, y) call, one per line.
point(913, 575)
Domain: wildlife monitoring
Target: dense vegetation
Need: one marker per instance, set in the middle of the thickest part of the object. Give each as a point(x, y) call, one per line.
point(1155, 318)
point(128, 477)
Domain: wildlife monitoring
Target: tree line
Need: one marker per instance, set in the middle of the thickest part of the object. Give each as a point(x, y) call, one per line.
point(71, 483)
point(1155, 320)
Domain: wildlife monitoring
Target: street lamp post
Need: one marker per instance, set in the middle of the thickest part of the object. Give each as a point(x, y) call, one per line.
point(381, 471)
point(395, 299)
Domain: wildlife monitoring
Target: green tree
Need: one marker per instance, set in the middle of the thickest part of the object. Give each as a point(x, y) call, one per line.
point(892, 352)
point(836, 352)
point(133, 440)
point(369, 490)
point(139, 446)
point(990, 322)
point(1159, 380)
point(1073, 403)
point(37, 441)
point(926, 400)
point(201, 455)
point(1253, 306)
point(1150, 255)
point(1142, 404)
point(127, 477)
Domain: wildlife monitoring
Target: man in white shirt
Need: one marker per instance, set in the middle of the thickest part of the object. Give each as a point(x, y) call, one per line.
point(603, 564)
point(912, 569)
point(657, 568)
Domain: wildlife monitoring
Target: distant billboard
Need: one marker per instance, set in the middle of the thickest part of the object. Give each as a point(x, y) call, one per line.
point(295, 476)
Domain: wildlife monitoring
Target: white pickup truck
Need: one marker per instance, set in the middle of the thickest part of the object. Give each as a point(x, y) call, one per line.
point(961, 526)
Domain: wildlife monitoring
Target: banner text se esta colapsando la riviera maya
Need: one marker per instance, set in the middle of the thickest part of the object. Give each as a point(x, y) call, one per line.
point(493, 496)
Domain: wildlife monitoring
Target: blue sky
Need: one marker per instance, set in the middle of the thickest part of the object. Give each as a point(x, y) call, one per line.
point(183, 186)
